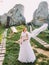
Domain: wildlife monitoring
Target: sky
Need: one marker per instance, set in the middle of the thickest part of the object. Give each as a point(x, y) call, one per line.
point(29, 7)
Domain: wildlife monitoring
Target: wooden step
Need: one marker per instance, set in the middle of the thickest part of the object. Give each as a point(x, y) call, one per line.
point(1, 59)
point(3, 52)
point(1, 62)
point(2, 55)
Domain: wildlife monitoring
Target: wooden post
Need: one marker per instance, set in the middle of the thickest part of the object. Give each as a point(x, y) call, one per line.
point(8, 21)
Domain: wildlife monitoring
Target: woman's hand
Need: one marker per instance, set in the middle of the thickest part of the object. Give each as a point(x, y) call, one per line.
point(17, 41)
point(25, 39)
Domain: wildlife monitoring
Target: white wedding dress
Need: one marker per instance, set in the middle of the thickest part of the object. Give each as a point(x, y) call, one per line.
point(26, 53)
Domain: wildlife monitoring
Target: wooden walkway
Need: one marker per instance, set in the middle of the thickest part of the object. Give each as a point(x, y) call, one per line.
point(45, 44)
point(3, 47)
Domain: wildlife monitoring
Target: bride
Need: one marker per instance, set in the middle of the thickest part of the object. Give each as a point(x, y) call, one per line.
point(26, 53)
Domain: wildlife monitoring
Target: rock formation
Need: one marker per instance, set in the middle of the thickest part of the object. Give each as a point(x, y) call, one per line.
point(40, 14)
point(16, 15)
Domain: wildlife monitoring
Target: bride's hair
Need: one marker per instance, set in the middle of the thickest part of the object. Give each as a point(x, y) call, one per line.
point(24, 29)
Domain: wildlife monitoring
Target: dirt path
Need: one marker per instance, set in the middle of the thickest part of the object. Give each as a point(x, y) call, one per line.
point(44, 52)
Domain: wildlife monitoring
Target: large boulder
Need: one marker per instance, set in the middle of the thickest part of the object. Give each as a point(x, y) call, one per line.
point(16, 16)
point(3, 19)
point(40, 13)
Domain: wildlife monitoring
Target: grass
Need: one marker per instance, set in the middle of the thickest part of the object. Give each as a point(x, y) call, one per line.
point(0, 38)
point(44, 37)
point(12, 51)
point(38, 45)
point(20, 28)
point(2, 28)
point(1, 31)
point(41, 55)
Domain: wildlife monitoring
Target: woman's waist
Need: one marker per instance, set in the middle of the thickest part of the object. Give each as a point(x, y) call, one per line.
point(25, 41)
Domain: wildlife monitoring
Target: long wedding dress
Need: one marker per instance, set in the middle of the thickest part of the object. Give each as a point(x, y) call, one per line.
point(26, 53)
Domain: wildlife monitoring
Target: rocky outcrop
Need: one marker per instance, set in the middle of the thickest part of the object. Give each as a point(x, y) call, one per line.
point(40, 14)
point(16, 16)
point(48, 21)
point(3, 19)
